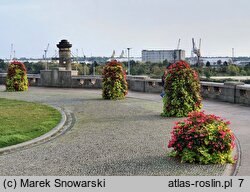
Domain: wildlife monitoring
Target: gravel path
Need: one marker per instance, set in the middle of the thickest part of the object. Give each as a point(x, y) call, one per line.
point(127, 137)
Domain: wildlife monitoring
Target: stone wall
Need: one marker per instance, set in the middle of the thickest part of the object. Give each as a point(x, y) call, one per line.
point(146, 85)
point(243, 94)
point(87, 82)
point(233, 92)
point(32, 78)
point(55, 78)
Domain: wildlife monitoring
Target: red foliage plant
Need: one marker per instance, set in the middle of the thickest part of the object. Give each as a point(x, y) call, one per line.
point(17, 77)
point(203, 138)
point(114, 81)
point(182, 91)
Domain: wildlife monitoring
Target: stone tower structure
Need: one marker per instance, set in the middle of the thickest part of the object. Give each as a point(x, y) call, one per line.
point(64, 54)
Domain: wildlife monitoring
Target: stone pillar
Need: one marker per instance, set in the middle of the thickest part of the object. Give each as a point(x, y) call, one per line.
point(64, 54)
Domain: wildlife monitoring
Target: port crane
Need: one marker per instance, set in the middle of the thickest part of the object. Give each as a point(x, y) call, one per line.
point(11, 52)
point(113, 54)
point(177, 50)
point(122, 54)
point(178, 45)
point(197, 51)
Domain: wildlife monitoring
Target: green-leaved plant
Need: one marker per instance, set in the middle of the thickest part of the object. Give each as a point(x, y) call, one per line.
point(204, 139)
point(182, 91)
point(114, 81)
point(17, 77)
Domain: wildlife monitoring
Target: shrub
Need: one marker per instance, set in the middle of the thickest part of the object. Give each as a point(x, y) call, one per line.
point(182, 88)
point(207, 73)
point(16, 78)
point(204, 139)
point(114, 81)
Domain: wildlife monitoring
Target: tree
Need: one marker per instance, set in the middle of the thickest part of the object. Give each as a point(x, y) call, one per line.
point(208, 73)
point(156, 70)
point(225, 63)
point(34, 68)
point(219, 62)
point(208, 64)
point(166, 63)
point(3, 66)
point(243, 72)
point(233, 70)
point(99, 69)
point(86, 69)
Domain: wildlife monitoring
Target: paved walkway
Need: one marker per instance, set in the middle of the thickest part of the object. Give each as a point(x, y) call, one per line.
point(238, 115)
point(125, 137)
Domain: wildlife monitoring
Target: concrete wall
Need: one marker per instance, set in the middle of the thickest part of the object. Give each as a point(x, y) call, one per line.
point(146, 85)
point(55, 78)
point(32, 78)
point(243, 94)
point(87, 82)
point(233, 92)
point(2, 78)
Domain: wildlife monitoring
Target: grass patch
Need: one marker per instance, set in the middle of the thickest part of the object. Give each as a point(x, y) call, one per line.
point(21, 121)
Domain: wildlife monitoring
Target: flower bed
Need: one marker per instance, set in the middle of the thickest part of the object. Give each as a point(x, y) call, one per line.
point(17, 77)
point(182, 91)
point(202, 138)
point(114, 81)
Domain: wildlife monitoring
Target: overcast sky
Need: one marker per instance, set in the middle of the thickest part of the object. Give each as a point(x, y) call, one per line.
point(100, 26)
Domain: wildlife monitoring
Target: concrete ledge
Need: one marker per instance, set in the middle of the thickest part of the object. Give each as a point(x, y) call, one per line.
point(244, 87)
point(203, 83)
point(232, 91)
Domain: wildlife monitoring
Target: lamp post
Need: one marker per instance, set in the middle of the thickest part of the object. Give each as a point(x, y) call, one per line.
point(77, 59)
point(94, 67)
point(128, 61)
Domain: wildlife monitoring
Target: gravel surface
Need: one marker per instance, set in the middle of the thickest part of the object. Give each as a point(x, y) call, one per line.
point(127, 137)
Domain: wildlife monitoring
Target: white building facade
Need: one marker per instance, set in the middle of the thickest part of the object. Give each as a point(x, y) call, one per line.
point(158, 56)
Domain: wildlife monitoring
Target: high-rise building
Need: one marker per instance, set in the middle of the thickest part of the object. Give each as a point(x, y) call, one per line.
point(158, 56)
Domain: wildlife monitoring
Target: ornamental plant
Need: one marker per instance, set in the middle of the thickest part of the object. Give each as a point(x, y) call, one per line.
point(17, 77)
point(114, 81)
point(204, 139)
point(182, 91)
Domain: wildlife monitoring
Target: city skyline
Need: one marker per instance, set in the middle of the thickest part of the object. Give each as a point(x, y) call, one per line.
point(99, 27)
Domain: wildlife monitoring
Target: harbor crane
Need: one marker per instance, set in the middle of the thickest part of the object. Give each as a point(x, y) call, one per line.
point(197, 51)
point(11, 52)
point(178, 45)
point(177, 50)
point(122, 54)
point(113, 54)
point(84, 56)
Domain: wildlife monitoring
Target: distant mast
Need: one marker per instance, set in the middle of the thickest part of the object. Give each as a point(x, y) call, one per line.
point(233, 55)
point(11, 51)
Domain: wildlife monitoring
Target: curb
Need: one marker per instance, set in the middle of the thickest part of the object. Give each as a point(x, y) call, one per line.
point(67, 119)
point(232, 169)
point(238, 163)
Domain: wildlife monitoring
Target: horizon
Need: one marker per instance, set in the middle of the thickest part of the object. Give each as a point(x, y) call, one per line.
point(189, 57)
point(97, 27)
